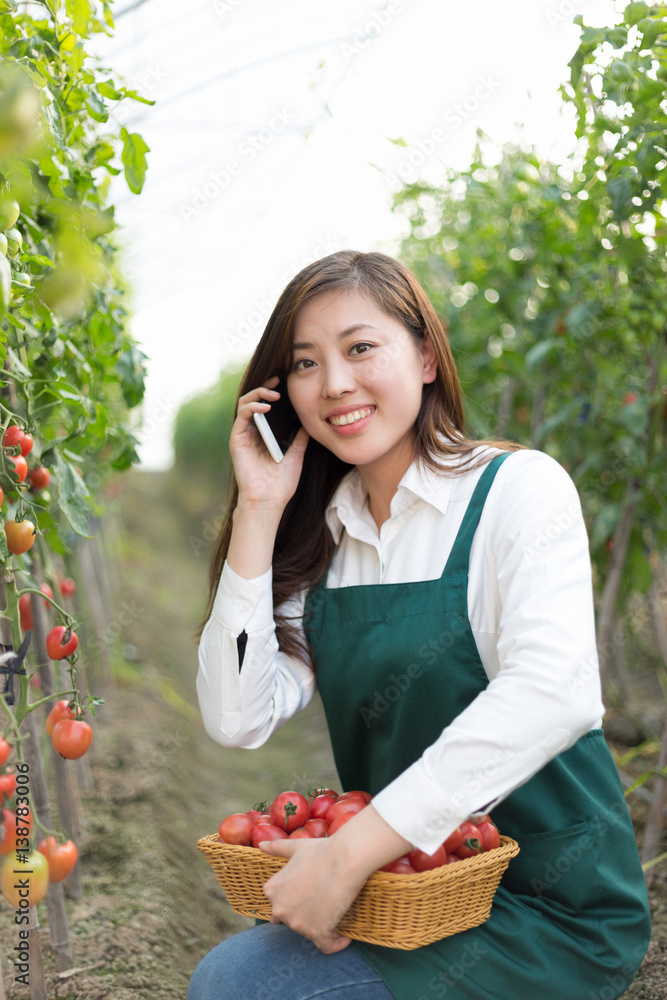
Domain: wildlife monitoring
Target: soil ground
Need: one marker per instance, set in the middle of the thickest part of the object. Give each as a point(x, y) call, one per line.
point(152, 907)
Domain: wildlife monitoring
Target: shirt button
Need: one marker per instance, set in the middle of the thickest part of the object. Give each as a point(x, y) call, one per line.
point(243, 605)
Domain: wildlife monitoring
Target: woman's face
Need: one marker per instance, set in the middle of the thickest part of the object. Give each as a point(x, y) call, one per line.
point(356, 379)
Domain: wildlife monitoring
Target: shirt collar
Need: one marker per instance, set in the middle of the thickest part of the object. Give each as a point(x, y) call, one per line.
point(418, 484)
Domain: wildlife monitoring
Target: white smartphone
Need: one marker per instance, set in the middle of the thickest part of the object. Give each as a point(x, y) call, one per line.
point(279, 424)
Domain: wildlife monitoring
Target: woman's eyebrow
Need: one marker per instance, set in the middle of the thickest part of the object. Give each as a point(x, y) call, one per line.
point(303, 345)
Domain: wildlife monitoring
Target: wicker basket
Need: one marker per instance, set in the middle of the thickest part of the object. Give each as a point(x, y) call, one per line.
point(398, 911)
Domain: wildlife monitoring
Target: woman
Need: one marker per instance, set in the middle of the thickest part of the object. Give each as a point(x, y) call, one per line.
point(437, 591)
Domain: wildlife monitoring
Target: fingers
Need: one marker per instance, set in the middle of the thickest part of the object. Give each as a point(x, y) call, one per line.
point(257, 400)
point(280, 848)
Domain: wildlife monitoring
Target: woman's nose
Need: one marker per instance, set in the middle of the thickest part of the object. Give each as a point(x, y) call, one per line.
point(337, 379)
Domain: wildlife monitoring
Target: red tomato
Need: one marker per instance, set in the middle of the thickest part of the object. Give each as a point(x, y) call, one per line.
point(254, 814)
point(472, 841)
point(25, 613)
point(365, 796)
point(289, 811)
point(60, 711)
point(14, 827)
point(45, 589)
point(347, 805)
point(7, 785)
point(454, 840)
point(71, 738)
point(61, 857)
point(61, 642)
point(20, 466)
point(314, 792)
point(2, 496)
point(12, 436)
point(339, 821)
point(423, 862)
point(5, 751)
point(39, 477)
point(300, 834)
point(402, 867)
point(320, 806)
point(20, 535)
point(490, 835)
point(317, 827)
point(390, 864)
point(266, 831)
point(237, 829)
point(451, 858)
point(26, 444)
point(67, 587)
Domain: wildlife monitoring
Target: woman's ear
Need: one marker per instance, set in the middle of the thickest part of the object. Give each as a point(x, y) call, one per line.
point(430, 360)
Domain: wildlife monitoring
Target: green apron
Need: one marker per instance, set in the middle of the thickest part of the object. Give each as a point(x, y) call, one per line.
point(571, 918)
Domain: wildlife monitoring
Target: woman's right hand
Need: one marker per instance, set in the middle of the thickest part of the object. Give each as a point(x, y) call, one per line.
point(263, 482)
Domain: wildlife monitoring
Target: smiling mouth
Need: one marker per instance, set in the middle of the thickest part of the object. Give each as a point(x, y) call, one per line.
point(350, 418)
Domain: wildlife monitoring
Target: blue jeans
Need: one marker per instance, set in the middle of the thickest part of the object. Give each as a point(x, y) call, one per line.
point(273, 962)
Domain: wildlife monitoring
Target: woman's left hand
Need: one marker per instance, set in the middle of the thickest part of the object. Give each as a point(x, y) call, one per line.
point(324, 876)
point(310, 894)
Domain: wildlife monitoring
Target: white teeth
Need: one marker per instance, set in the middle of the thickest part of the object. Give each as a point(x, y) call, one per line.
point(350, 418)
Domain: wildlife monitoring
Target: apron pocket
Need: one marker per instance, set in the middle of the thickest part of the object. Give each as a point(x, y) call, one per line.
point(557, 866)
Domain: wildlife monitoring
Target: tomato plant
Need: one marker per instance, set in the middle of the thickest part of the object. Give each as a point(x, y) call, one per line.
point(34, 872)
point(61, 642)
point(71, 738)
point(60, 858)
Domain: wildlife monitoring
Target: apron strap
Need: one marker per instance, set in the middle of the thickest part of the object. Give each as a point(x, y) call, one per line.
point(459, 557)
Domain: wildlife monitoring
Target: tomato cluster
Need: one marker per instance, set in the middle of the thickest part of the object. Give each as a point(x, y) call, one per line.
point(292, 816)
point(70, 736)
point(17, 445)
point(466, 841)
point(51, 862)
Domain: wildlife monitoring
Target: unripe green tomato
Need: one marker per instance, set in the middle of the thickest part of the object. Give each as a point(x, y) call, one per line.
point(22, 278)
point(3, 244)
point(9, 212)
point(14, 243)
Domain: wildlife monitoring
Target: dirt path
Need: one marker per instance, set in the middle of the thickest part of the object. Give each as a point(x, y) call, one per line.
point(152, 906)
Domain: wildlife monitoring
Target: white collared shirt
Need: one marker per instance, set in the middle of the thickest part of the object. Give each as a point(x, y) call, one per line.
point(530, 604)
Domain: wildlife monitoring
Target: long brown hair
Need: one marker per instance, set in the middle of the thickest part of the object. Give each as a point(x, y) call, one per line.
point(304, 545)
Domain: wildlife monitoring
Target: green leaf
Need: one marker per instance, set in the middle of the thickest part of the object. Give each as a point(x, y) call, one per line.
point(134, 159)
point(538, 352)
point(107, 89)
point(620, 192)
point(4, 551)
point(96, 107)
point(80, 12)
point(634, 12)
point(72, 493)
point(131, 369)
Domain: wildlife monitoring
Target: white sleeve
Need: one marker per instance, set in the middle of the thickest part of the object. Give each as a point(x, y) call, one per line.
point(243, 707)
point(547, 693)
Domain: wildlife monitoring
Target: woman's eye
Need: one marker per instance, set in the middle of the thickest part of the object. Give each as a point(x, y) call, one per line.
point(301, 361)
point(360, 348)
